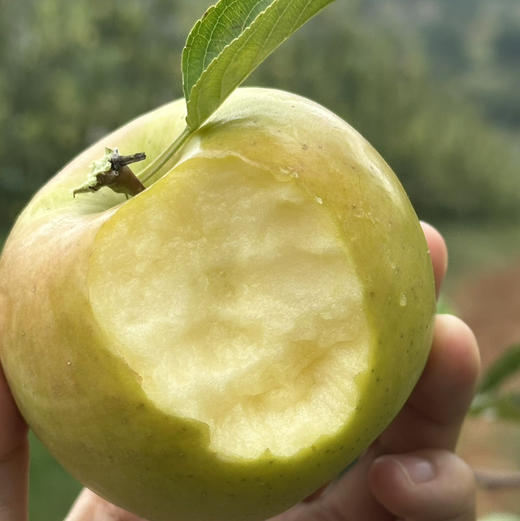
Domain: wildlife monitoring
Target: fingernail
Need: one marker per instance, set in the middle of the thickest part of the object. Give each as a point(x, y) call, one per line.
point(417, 469)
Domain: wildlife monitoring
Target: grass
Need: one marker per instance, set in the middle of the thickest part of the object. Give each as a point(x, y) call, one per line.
point(52, 490)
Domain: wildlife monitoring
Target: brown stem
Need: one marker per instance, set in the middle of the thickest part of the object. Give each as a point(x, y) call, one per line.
point(120, 161)
point(496, 480)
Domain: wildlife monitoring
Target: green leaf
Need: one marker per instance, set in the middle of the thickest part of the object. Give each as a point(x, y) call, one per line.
point(444, 305)
point(489, 400)
point(507, 365)
point(219, 26)
point(497, 406)
point(229, 42)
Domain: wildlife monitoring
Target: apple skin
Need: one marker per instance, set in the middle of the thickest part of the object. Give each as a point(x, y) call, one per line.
point(87, 405)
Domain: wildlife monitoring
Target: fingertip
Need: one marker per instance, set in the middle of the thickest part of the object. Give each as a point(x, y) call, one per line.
point(447, 385)
point(453, 338)
point(438, 253)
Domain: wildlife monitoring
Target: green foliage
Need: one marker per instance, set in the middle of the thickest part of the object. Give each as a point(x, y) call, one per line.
point(491, 399)
point(444, 305)
point(229, 42)
point(472, 47)
point(52, 489)
point(72, 71)
point(506, 366)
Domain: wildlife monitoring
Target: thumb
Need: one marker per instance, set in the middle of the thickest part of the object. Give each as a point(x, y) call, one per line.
point(427, 485)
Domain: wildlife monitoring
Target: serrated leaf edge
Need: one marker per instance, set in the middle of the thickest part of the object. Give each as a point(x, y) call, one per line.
point(195, 31)
point(248, 29)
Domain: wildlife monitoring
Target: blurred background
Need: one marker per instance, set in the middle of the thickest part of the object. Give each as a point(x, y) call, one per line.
point(432, 84)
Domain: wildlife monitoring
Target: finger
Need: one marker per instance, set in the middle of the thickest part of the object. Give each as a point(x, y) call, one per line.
point(425, 486)
point(14, 458)
point(448, 382)
point(438, 253)
point(90, 507)
point(438, 405)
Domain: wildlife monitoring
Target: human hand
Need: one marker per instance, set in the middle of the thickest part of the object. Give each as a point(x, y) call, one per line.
point(378, 488)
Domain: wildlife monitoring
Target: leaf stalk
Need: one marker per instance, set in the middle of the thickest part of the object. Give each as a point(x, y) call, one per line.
point(152, 172)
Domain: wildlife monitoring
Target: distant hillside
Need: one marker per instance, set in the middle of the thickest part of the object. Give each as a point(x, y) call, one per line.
point(472, 45)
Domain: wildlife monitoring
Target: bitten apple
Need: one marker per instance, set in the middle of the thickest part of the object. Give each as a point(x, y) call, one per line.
point(223, 343)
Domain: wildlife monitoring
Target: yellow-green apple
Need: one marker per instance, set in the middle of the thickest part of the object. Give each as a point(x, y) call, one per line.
point(223, 343)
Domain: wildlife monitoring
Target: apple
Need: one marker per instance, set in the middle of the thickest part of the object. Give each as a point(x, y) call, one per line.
point(228, 340)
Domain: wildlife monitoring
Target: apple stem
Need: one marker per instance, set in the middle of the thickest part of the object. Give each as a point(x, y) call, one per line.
point(154, 168)
point(114, 173)
point(120, 161)
point(494, 480)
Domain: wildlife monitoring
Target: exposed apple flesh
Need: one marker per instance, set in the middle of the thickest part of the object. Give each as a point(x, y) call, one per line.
point(220, 345)
point(239, 307)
